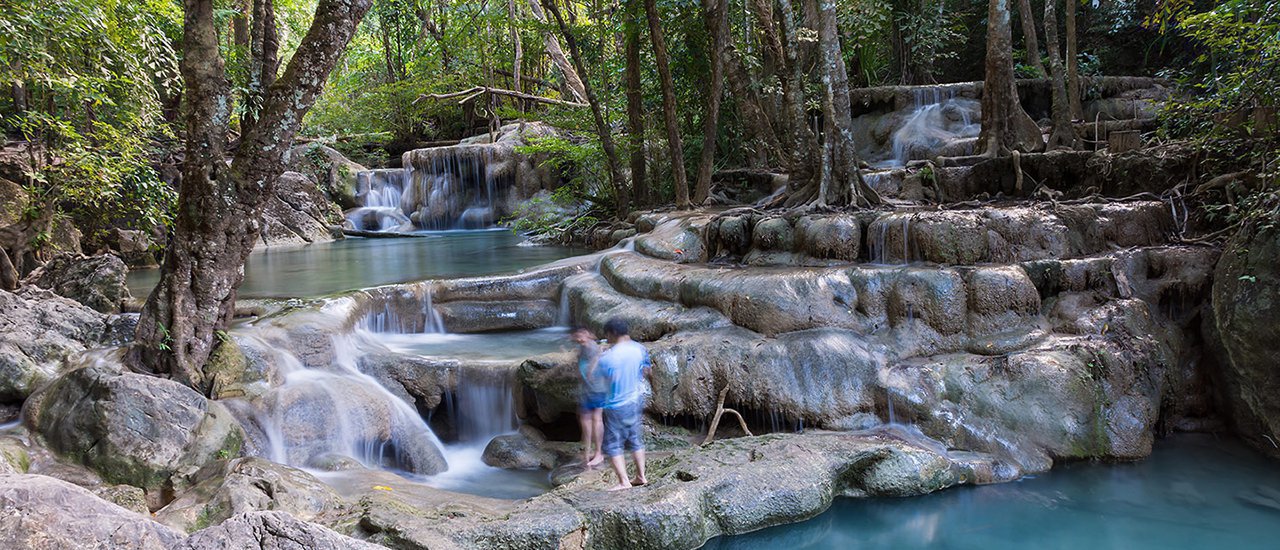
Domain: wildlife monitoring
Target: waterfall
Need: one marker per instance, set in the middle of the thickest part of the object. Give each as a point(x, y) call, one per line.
point(457, 187)
point(938, 118)
point(380, 193)
point(484, 406)
point(396, 318)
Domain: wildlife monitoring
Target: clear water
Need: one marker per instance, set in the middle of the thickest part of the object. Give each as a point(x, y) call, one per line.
point(325, 268)
point(496, 346)
point(1191, 493)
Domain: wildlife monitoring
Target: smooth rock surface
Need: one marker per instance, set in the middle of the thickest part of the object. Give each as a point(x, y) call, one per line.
point(38, 331)
point(41, 512)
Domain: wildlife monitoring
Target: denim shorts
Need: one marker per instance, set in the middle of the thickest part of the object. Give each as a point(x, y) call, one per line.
point(622, 427)
point(592, 400)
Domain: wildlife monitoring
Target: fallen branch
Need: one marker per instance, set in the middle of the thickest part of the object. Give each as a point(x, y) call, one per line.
point(472, 92)
point(720, 411)
point(382, 234)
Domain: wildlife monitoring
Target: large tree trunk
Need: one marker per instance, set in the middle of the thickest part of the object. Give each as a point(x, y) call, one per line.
point(518, 62)
point(804, 144)
point(841, 183)
point(1005, 125)
point(1062, 135)
point(1029, 35)
point(635, 101)
point(621, 195)
point(674, 146)
point(571, 75)
point(1073, 64)
point(765, 144)
point(717, 22)
point(219, 206)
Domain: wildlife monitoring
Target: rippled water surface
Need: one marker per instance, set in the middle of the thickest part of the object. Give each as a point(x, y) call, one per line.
point(326, 268)
point(1193, 492)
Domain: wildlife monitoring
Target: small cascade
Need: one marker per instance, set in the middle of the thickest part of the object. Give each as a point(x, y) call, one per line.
point(316, 415)
point(938, 119)
point(395, 317)
point(457, 187)
point(484, 406)
point(380, 194)
point(881, 248)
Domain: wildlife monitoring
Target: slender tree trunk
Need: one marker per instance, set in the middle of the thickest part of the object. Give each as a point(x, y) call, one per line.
point(1062, 135)
point(518, 62)
point(804, 142)
point(620, 191)
point(1073, 64)
point(674, 146)
point(264, 46)
point(219, 206)
point(635, 101)
point(765, 139)
point(1005, 125)
point(844, 184)
point(571, 76)
point(1029, 36)
point(717, 22)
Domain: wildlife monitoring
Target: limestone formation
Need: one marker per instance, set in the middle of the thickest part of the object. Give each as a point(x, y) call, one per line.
point(38, 331)
point(270, 531)
point(251, 484)
point(329, 171)
point(43, 513)
point(297, 213)
point(95, 281)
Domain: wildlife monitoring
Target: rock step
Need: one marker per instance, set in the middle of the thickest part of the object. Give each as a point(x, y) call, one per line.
point(1003, 235)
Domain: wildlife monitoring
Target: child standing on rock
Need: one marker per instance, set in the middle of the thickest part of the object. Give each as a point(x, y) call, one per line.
point(595, 388)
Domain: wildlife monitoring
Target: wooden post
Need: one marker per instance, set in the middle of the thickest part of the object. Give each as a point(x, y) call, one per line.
point(1123, 141)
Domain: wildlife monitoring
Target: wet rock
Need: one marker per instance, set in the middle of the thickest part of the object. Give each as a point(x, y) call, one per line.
point(270, 531)
point(95, 281)
point(329, 170)
point(251, 484)
point(523, 450)
point(14, 458)
point(468, 317)
point(45, 513)
point(297, 213)
point(38, 331)
point(131, 428)
point(1246, 305)
point(829, 237)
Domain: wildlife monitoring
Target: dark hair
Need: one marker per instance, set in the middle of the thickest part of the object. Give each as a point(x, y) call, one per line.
point(616, 327)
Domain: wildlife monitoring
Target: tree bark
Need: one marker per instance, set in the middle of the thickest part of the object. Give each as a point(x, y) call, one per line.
point(1073, 64)
point(674, 146)
point(518, 62)
point(219, 205)
point(1029, 36)
point(1063, 136)
point(621, 195)
point(571, 75)
point(717, 22)
point(635, 101)
point(264, 46)
point(841, 174)
point(767, 147)
point(1005, 125)
point(804, 143)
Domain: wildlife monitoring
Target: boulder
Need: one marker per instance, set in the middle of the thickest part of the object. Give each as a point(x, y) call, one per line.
point(251, 484)
point(297, 213)
point(14, 458)
point(1246, 307)
point(38, 331)
point(270, 531)
point(126, 496)
point(45, 513)
point(13, 200)
point(136, 248)
point(132, 428)
point(523, 450)
point(330, 171)
point(95, 281)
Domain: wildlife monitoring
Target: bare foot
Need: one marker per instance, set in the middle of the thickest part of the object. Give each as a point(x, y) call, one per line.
point(595, 460)
point(620, 487)
point(638, 482)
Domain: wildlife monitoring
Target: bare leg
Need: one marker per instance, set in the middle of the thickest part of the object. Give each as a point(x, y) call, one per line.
point(597, 438)
point(640, 479)
point(584, 422)
point(620, 468)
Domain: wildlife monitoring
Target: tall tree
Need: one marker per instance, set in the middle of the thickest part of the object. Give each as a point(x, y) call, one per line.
point(1029, 40)
point(663, 61)
point(264, 59)
point(804, 143)
point(1062, 135)
point(621, 194)
point(219, 204)
point(1005, 124)
point(572, 79)
point(635, 100)
point(842, 182)
point(716, 18)
point(1073, 63)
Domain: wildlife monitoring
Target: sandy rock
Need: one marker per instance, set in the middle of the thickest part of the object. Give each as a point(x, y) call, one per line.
point(270, 531)
point(45, 513)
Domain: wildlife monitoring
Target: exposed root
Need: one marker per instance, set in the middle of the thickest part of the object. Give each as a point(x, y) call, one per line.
point(720, 411)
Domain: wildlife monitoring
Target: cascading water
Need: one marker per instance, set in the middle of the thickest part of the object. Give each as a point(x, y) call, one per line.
point(938, 119)
point(457, 187)
point(395, 318)
point(380, 193)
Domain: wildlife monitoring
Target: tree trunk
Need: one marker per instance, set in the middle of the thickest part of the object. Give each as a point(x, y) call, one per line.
point(1029, 36)
point(219, 206)
point(842, 177)
point(1063, 136)
point(576, 86)
point(635, 102)
point(804, 142)
point(1073, 64)
point(757, 122)
point(518, 62)
point(264, 62)
point(717, 22)
point(674, 146)
point(620, 193)
point(1005, 125)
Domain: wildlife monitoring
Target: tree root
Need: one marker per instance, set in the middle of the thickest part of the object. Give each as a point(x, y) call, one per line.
point(720, 411)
